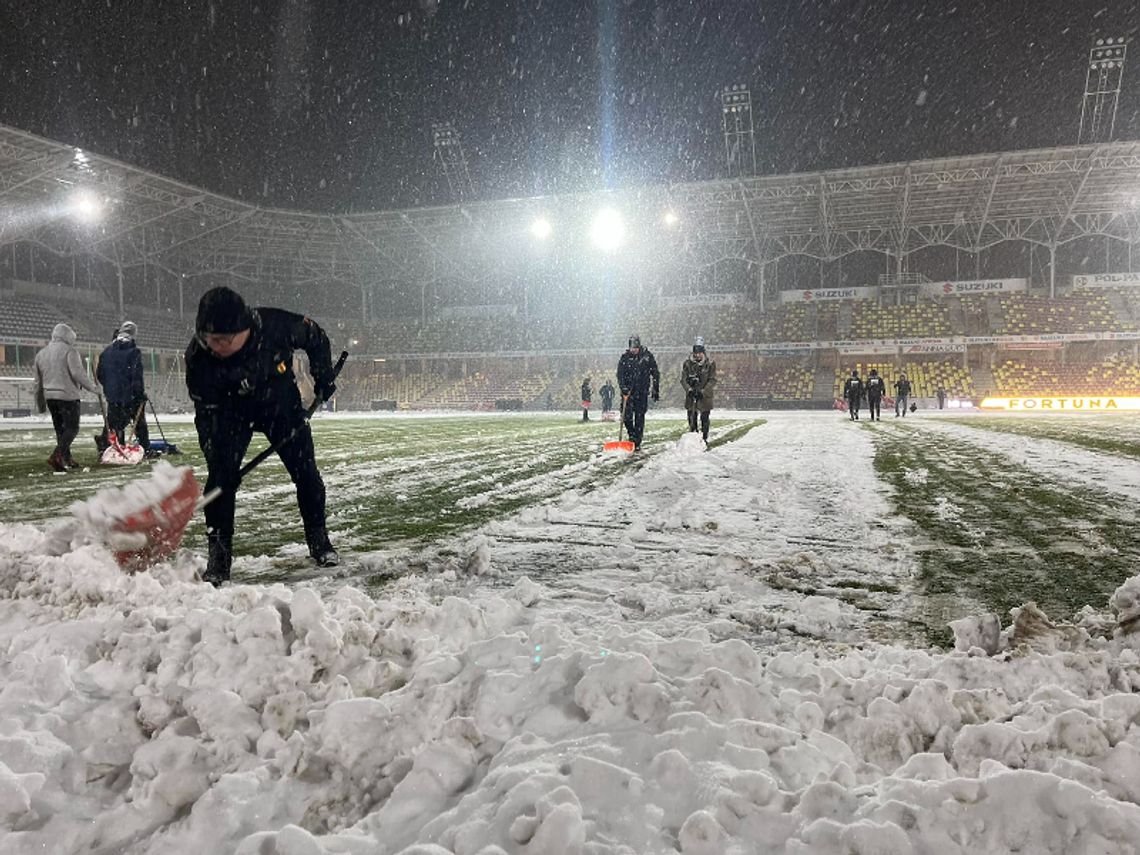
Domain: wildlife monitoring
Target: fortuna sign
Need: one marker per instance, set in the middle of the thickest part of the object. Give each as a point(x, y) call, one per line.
point(1064, 403)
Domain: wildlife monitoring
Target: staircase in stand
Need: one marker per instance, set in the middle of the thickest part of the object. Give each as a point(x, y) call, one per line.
point(846, 313)
point(994, 315)
point(984, 383)
point(823, 388)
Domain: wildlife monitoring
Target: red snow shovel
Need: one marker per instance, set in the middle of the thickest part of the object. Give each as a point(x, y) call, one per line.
point(625, 447)
point(151, 534)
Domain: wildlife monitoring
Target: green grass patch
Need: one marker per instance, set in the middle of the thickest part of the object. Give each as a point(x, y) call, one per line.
point(869, 586)
point(997, 535)
point(734, 433)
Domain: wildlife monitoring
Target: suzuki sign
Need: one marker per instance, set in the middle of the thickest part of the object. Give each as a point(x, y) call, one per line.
point(816, 294)
point(973, 286)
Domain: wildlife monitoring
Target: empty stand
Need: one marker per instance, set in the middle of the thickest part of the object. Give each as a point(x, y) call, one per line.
point(1079, 311)
point(927, 318)
point(925, 377)
point(1117, 375)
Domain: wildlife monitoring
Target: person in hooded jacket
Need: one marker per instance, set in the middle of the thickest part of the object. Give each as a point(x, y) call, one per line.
point(120, 373)
point(239, 373)
point(59, 378)
point(875, 389)
point(853, 394)
point(638, 379)
point(698, 377)
point(587, 394)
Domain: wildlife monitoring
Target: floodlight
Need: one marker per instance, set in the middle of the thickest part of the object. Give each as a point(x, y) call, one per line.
point(670, 218)
point(541, 228)
point(86, 206)
point(608, 230)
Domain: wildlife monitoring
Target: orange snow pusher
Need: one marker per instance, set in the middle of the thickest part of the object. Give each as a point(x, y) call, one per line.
point(620, 446)
point(154, 531)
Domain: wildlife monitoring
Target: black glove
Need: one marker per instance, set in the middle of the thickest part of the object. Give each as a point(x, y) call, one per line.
point(656, 395)
point(625, 392)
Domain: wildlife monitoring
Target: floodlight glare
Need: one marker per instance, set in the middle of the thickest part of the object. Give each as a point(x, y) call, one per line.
point(608, 230)
point(670, 218)
point(86, 206)
point(541, 228)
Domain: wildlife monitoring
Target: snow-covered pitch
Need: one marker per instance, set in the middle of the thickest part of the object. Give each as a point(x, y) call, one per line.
point(714, 652)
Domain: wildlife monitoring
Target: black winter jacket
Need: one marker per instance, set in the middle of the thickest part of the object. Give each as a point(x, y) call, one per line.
point(875, 388)
point(260, 375)
point(120, 372)
point(636, 373)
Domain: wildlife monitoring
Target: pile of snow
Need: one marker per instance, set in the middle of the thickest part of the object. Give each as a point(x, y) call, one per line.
point(148, 714)
point(604, 708)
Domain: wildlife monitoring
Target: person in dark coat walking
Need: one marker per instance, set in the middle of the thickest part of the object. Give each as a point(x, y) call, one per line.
point(698, 377)
point(587, 394)
point(875, 389)
point(58, 380)
point(239, 373)
point(940, 393)
point(639, 380)
point(853, 394)
point(120, 373)
point(607, 393)
point(902, 395)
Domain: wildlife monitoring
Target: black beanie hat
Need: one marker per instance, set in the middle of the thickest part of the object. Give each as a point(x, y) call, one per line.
point(222, 310)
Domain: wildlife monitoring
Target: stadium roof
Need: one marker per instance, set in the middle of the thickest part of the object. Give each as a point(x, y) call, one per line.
point(1048, 196)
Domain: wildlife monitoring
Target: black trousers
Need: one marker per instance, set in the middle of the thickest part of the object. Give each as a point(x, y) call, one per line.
point(705, 416)
point(853, 407)
point(634, 416)
point(874, 405)
point(119, 417)
point(65, 420)
point(224, 437)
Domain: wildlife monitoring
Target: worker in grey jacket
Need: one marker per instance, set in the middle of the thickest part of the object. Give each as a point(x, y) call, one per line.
point(59, 379)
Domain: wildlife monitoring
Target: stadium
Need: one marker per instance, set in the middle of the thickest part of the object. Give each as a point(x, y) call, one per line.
point(1007, 276)
point(808, 634)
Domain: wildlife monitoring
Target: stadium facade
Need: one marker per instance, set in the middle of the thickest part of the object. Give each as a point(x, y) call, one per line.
point(1005, 273)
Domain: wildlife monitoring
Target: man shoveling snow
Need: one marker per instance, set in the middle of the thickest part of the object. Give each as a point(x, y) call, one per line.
point(239, 373)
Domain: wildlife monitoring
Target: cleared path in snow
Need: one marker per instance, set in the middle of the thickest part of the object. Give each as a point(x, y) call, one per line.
point(787, 530)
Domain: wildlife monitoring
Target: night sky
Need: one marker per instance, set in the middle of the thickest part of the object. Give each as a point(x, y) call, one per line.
point(327, 105)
